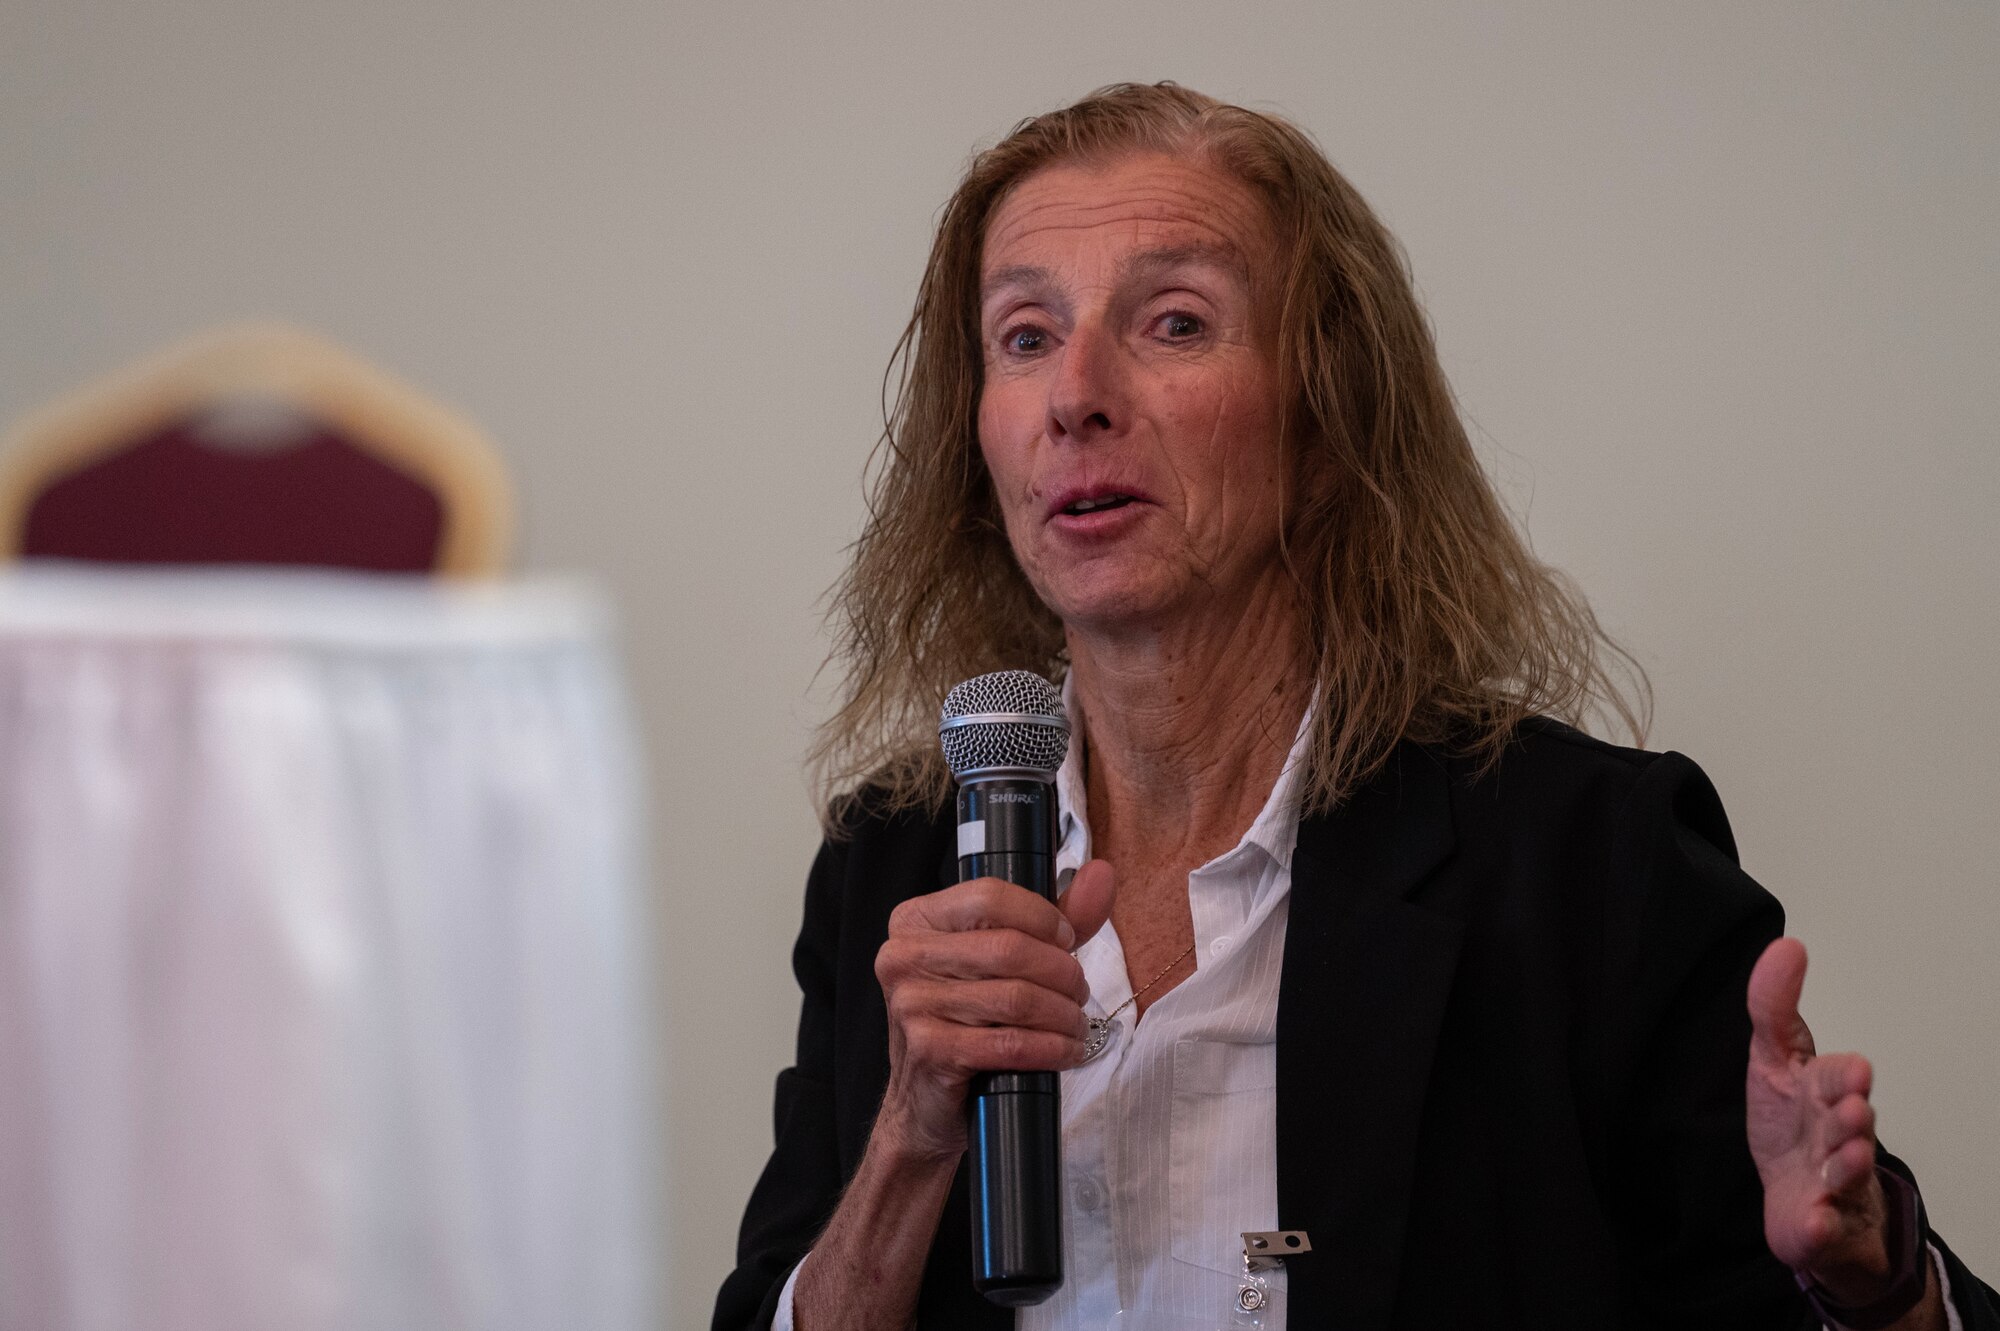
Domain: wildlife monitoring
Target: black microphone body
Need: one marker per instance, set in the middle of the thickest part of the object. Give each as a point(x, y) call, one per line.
point(1006, 830)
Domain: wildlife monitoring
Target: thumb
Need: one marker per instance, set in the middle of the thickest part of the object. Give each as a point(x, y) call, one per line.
point(1087, 904)
point(1776, 982)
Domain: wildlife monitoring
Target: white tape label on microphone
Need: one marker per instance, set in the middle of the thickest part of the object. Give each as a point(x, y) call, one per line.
point(972, 838)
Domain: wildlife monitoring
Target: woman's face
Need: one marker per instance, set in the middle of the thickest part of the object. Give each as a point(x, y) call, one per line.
point(1129, 413)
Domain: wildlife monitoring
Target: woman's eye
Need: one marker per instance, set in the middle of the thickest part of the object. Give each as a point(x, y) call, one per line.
point(1180, 327)
point(1024, 339)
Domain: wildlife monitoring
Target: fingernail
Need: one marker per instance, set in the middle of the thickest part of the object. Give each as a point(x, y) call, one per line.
point(1067, 933)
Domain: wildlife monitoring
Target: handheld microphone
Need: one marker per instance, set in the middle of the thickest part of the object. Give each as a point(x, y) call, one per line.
point(1004, 737)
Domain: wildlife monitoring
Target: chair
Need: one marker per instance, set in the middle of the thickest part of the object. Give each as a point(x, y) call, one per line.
point(255, 444)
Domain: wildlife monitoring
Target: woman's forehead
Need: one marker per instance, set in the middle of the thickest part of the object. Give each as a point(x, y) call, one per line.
point(1165, 205)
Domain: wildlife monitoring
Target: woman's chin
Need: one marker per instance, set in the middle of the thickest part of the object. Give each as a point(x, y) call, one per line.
point(1112, 608)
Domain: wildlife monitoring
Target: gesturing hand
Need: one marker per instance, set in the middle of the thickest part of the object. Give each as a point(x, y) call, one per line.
point(1812, 1134)
point(979, 978)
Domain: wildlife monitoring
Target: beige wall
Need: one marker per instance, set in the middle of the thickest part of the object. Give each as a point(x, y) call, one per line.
point(1716, 282)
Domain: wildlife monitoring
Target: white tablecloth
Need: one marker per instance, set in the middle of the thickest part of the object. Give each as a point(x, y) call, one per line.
point(324, 993)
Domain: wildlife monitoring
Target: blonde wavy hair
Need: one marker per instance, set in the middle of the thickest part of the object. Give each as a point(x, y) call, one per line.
point(1425, 614)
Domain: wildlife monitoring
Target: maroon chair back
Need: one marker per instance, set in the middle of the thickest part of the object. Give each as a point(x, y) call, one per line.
point(173, 496)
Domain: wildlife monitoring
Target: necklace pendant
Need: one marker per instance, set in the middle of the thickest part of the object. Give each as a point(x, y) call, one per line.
point(1098, 1038)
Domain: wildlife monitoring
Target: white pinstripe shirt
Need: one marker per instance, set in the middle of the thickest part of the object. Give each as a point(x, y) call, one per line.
point(1170, 1135)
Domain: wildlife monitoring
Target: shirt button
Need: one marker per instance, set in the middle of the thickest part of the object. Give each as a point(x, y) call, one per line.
point(1220, 946)
point(1088, 1196)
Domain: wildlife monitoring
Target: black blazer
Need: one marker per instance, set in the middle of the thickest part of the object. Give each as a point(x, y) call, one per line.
point(1511, 1046)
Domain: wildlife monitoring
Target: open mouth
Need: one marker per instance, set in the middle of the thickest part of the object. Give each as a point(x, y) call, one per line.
point(1097, 504)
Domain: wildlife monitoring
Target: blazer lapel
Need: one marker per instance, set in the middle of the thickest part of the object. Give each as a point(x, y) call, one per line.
point(1367, 973)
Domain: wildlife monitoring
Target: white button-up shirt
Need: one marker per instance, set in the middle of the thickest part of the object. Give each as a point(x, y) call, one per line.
point(1170, 1136)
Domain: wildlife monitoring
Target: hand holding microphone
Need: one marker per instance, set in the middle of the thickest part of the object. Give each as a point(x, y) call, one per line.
point(978, 978)
point(985, 1003)
point(980, 986)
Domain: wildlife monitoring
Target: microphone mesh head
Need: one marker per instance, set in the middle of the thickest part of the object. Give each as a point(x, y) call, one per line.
point(1027, 728)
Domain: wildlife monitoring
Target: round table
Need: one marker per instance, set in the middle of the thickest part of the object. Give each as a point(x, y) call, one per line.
point(325, 992)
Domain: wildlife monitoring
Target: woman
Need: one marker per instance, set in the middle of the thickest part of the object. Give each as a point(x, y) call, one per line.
point(1393, 958)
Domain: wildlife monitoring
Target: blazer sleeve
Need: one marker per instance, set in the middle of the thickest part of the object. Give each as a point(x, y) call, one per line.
point(1977, 1305)
point(801, 1182)
point(1689, 1198)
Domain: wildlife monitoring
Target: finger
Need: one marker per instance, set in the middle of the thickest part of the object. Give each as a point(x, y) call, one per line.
point(1846, 1172)
point(1834, 1077)
point(984, 903)
point(1853, 1119)
point(1087, 904)
point(992, 1003)
point(1778, 1032)
point(981, 954)
point(1833, 1126)
point(965, 1049)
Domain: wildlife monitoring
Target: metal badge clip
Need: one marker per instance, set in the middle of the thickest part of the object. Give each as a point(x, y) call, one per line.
point(1267, 1250)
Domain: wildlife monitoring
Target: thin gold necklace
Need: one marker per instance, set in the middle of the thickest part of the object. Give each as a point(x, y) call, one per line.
point(1099, 1035)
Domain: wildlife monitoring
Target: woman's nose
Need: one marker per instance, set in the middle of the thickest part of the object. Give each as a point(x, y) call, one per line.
point(1087, 397)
